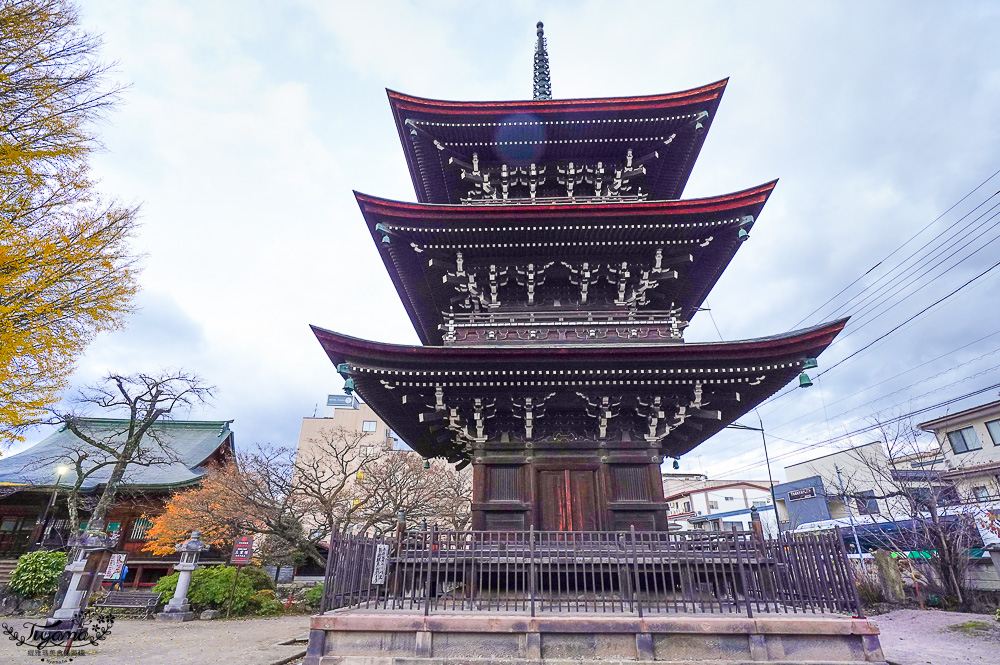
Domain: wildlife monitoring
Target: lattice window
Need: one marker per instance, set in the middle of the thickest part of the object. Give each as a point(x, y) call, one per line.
point(139, 529)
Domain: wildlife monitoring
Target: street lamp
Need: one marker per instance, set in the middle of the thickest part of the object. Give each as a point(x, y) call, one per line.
point(39, 536)
point(767, 458)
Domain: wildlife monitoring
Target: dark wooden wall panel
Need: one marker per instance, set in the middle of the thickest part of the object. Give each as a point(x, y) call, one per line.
point(631, 482)
point(505, 483)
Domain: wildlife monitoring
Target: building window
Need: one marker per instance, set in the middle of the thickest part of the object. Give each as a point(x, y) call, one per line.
point(687, 506)
point(981, 492)
point(994, 429)
point(367, 451)
point(713, 505)
point(139, 529)
point(759, 504)
point(368, 426)
point(730, 498)
point(963, 440)
point(867, 506)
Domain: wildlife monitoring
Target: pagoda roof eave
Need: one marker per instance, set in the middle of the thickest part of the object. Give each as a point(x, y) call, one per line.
point(405, 106)
point(341, 348)
point(541, 212)
point(710, 91)
point(400, 382)
point(414, 291)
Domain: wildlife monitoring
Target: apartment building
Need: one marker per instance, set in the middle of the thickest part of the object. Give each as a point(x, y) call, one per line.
point(695, 502)
point(970, 443)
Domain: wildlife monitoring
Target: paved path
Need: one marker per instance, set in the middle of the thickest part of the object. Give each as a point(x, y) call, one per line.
point(236, 642)
point(918, 637)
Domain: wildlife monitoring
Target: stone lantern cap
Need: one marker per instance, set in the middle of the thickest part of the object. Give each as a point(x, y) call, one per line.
point(192, 544)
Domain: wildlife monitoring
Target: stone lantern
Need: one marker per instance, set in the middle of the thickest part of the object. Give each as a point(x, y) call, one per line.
point(178, 609)
point(86, 550)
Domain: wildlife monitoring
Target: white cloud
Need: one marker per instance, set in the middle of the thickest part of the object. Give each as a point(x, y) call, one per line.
point(248, 125)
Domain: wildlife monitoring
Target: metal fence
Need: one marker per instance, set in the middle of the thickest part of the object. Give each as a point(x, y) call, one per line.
point(634, 572)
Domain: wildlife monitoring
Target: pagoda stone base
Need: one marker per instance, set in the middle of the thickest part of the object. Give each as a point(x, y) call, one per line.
point(356, 638)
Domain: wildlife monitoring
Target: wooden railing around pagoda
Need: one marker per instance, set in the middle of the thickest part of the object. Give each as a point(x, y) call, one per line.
point(631, 572)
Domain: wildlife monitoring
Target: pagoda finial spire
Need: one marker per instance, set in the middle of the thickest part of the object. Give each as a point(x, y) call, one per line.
point(543, 84)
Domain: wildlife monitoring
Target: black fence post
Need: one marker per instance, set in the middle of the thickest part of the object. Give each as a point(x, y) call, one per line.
point(324, 604)
point(430, 556)
point(531, 555)
point(739, 565)
point(635, 571)
point(852, 583)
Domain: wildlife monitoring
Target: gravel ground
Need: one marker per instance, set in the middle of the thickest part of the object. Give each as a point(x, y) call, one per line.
point(918, 637)
point(236, 642)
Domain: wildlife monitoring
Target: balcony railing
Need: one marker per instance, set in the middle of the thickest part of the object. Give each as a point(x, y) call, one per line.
point(557, 572)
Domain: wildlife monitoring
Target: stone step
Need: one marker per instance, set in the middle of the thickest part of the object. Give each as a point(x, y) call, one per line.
point(6, 568)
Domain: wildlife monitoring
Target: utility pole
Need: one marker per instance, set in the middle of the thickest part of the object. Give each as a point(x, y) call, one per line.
point(847, 507)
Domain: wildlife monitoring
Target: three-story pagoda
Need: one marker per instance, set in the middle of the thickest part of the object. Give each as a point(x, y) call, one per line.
point(550, 268)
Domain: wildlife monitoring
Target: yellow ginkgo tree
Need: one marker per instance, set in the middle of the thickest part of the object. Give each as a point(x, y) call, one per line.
point(67, 271)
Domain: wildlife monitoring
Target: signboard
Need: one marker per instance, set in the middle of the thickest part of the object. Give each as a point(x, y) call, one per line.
point(242, 551)
point(342, 400)
point(804, 493)
point(381, 563)
point(115, 566)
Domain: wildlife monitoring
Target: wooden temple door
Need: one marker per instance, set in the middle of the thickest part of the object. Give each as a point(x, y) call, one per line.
point(567, 500)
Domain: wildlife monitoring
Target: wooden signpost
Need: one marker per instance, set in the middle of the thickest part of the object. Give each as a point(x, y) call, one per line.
point(242, 556)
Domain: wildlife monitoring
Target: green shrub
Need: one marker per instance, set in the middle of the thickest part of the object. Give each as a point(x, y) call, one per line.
point(260, 578)
point(37, 573)
point(267, 604)
point(996, 615)
point(210, 589)
point(314, 597)
point(869, 592)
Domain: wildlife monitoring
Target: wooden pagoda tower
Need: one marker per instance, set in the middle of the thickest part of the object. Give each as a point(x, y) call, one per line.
point(550, 268)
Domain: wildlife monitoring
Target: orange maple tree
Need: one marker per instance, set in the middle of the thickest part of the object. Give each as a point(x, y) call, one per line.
point(214, 508)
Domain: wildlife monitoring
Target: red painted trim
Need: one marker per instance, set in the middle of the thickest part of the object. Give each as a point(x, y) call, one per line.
point(724, 202)
point(801, 341)
point(708, 92)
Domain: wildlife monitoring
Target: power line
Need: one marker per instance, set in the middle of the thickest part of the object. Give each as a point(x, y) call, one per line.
point(930, 392)
point(900, 325)
point(893, 252)
point(880, 302)
point(869, 428)
point(921, 259)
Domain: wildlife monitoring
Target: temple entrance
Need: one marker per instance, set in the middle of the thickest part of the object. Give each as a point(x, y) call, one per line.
point(567, 500)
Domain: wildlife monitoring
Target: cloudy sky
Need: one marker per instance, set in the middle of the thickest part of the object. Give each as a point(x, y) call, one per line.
point(248, 124)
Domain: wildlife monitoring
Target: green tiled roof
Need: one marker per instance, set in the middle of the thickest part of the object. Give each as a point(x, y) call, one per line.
point(191, 443)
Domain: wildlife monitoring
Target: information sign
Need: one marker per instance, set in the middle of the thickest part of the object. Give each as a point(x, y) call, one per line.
point(381, 563)
point(242, 551)
point(115, 566)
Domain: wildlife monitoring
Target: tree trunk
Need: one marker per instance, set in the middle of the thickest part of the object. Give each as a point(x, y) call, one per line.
point(73, 509)
point(111, 489)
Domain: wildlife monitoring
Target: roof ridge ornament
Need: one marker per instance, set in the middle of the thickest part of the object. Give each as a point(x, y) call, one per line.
point(542, 82)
